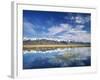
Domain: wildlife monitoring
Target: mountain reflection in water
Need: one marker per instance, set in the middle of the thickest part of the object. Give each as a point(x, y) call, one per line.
point(67, 57)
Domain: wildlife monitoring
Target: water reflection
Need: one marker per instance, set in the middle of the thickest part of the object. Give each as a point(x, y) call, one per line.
point(67, 57)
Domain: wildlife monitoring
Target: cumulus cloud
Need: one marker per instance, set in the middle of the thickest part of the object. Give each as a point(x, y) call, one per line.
point(82, 20)
point(68, 33)
point(59, 28)
point(77, 36)
point(61, 32)
point(79, 19)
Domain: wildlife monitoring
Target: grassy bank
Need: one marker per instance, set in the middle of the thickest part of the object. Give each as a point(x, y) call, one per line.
point(51, 47)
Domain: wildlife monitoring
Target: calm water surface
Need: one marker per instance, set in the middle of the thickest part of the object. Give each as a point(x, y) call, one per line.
point(67, 57)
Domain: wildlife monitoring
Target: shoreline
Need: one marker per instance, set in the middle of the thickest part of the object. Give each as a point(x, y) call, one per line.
point(51, 47)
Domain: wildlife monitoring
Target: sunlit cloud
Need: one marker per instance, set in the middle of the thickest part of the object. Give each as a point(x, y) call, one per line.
point(74, 27)
point(58, 29)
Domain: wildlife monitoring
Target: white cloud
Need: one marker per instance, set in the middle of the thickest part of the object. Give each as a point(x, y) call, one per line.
point(57, 29)
point(77, 35)
point(81, 20)
point(78, 19)
point(54, 30)
point(69, 33)
point(79, 27)
point(28, 29)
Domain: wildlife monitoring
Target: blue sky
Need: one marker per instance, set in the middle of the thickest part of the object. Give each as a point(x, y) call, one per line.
point(57, 25)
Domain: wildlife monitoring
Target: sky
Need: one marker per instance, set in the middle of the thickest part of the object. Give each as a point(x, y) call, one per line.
point(61, 26)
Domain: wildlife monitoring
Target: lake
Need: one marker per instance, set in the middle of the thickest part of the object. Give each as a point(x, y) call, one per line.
point(66, 57)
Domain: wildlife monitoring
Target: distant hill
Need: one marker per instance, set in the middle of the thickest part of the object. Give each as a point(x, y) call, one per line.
point(50, 42)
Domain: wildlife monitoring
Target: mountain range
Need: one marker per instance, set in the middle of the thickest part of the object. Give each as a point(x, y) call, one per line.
point(51, 42)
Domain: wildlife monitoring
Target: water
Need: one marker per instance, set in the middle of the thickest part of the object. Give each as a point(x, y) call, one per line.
point(67, 57)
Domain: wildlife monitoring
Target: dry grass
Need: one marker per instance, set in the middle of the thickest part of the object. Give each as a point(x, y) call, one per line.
point(50, 47)
point(46, 46)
